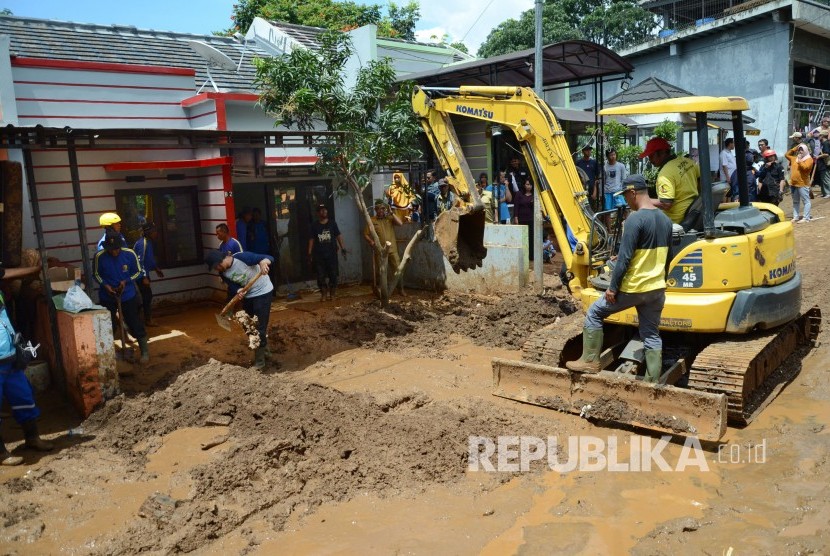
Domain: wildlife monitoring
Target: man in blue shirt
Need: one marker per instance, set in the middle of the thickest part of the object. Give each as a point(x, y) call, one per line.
point(591, 169)
point(15, 387)
point(237, 271)
point(110, 222)
point(227, 244)
point(116, 269)
point(145, 250)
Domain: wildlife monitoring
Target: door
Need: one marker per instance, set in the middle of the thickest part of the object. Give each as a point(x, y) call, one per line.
point(293, 206)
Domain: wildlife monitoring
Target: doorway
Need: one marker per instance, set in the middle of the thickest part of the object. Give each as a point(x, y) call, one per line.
point(289, 209)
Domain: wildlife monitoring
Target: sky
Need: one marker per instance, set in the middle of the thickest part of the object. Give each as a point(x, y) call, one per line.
point(460, 19)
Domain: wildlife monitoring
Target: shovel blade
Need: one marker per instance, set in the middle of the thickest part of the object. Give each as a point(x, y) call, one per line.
point(223, 321)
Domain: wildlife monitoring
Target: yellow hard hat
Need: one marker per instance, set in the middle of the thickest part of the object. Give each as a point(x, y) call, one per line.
point(108, 219)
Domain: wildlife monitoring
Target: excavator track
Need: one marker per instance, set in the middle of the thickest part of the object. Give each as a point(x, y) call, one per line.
point(739, 368)
point(548, 344)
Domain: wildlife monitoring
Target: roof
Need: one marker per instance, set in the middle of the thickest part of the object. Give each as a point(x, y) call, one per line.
point(66, 40)
point(564, 62)
point(647, 90)
point(307, 36)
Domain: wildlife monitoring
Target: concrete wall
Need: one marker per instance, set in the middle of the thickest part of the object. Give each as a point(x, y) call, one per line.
point(727, 63)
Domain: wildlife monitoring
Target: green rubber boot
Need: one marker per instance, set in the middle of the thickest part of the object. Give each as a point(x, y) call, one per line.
point(591, 350)
point(654, 365)
point(259, 357)
point(145, 349)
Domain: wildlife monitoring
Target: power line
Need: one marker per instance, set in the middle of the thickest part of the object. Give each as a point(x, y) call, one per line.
point(480, 15)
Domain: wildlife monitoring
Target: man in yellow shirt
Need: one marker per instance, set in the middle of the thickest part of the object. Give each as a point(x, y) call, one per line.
point(677, 180)
point(383, 222)
point(638, 280)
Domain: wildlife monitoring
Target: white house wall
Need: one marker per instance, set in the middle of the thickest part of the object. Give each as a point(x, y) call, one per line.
point(99, 99)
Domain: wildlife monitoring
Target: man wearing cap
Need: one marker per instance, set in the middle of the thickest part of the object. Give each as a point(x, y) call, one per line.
point(116, 269)
point(446, 198)
point(322, 252)
point(236, 271)
point(591, 169)
point(109, 221)
point(145, 250)
point(383, 222)
point(770, 179)
point(637, 280)
point(677, 179)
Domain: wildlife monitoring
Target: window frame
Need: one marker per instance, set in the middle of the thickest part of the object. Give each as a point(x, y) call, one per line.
point(157, 194)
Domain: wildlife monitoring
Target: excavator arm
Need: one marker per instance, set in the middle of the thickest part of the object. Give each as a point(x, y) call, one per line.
point(554, 173)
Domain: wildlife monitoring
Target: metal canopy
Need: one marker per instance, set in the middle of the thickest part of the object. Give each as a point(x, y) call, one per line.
point(564, 62)
point(681, 105)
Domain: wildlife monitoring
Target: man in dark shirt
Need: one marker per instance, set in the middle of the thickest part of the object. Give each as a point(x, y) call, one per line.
point(145, 250)
point(591, 169)
point(516, 175)
point(638, 280)
point(322, 250)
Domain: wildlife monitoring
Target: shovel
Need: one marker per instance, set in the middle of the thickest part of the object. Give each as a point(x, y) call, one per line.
point(127, 354)
point(223, 318)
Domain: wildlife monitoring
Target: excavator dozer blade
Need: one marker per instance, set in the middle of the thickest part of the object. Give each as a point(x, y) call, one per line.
point(613, 397)
point(461, 238)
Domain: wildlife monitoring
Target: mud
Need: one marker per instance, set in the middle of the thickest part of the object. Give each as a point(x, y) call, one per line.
point(356, 442)
point(249, 326)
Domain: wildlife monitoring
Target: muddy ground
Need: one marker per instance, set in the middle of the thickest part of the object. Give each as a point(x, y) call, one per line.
point(355, 440)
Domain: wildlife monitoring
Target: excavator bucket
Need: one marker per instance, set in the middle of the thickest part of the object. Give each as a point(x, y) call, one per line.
point(461, 237)
point(613, 397)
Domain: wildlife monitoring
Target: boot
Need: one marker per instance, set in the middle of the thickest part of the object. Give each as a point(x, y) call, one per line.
point(6, 457)
point(259, 357)
point(332, 293)
point(591, 350)
point(33, 439)
point(145, 350)
point(323, 294)
point(654, 365)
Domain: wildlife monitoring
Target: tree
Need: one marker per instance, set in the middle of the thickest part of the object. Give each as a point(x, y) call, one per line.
point(611, 23)
point(305, 88)
point(330, 14)
point(615, 136)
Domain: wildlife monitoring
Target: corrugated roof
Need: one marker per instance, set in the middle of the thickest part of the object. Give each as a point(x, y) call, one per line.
point(66, 40)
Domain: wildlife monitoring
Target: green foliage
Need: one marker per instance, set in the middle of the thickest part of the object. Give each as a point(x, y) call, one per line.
point(667, 130)
point(330, 14)
point(615, 137)
point(304, 88)
point(5, 11)
point(611, 23)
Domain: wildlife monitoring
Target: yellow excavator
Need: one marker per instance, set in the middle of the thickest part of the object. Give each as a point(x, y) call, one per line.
point(733, 299)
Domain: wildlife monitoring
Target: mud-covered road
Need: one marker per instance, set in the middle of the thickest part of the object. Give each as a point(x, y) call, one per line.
point(356, 441)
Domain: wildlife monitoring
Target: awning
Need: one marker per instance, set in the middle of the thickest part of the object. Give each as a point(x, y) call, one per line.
point(564, 62)
point(168, 164)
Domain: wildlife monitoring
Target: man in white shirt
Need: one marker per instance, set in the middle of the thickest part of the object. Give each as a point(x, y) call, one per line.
point(727, 160)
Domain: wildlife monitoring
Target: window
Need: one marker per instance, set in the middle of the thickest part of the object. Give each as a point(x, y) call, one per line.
point(174, 211)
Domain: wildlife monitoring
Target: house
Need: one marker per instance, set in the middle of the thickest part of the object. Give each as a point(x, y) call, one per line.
point(166, 127)
point(774, 53)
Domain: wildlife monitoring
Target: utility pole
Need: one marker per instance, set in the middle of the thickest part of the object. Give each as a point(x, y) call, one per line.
point(538, 261)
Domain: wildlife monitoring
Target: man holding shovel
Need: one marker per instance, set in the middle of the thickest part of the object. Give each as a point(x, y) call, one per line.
point(246, 275)
point(116, 268)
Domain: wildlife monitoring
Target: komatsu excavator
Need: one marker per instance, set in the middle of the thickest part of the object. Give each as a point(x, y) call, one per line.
point(733, 298)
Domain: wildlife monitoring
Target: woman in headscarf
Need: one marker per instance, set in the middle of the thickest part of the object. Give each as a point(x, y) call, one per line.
point(801, 165)
point(400, 197)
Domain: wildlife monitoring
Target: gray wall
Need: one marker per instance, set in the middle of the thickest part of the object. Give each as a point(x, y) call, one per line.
point(751, 61)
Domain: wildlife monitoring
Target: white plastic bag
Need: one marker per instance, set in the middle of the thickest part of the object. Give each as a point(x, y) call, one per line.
point(76, 300)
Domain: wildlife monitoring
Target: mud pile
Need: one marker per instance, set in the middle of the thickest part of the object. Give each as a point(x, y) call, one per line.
point(292, 447)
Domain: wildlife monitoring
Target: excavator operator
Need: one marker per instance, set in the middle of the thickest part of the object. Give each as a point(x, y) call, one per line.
point(677, 180)
point(638, 280)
